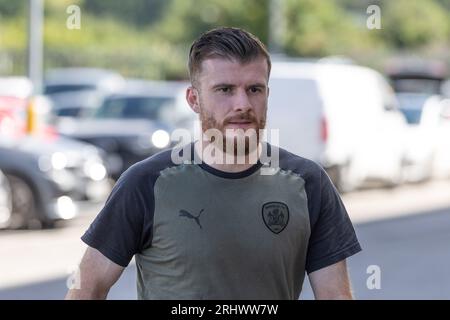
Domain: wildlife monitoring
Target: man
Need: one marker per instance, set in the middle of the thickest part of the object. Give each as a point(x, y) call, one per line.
point(215, 229)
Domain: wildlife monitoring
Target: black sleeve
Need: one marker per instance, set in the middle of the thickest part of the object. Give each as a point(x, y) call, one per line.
point(123, 227)
point(332, 236)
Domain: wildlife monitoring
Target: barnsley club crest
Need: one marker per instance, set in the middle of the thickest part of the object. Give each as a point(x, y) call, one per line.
point(275, 216)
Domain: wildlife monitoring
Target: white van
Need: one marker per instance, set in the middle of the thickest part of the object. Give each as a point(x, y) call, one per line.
point(343, 116)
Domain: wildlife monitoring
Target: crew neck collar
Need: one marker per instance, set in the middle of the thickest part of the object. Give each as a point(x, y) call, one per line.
point(226, 174)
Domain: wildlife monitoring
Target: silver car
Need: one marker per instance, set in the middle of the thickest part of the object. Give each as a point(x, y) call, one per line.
point(48, 177)
point(79, 79)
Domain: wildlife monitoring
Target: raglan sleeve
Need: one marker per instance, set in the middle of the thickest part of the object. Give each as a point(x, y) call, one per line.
point(124, 225)
point(332, 237)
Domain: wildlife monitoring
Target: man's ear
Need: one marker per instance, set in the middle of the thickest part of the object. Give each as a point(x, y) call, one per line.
point(193, 99)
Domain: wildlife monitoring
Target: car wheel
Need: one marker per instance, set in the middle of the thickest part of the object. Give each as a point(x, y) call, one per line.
point(23, 204)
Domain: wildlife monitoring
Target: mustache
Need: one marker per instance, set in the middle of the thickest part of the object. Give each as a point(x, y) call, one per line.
point(240, 117)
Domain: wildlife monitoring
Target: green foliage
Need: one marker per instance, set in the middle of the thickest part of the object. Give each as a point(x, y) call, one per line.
point(414, 24)
point(317, 28)
point(187, 19)
point(151, 38)
point(134, 12)
point(12, 8)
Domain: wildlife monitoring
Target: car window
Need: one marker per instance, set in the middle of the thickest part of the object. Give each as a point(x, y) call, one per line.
point(52, 89)
point(412, 115)
point(133, 107)
point(429, 86)
point(411, 105)
point(69, 112)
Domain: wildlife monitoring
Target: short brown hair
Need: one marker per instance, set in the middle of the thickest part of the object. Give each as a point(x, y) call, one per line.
point(225, 42)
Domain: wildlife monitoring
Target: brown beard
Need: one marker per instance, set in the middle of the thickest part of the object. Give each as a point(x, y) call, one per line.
point(209, 122)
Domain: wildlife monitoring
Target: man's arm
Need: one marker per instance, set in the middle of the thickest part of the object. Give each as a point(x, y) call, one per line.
point(331, 282)
point(97, 274)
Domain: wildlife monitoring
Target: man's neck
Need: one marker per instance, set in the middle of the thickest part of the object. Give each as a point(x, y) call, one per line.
point(225, 165)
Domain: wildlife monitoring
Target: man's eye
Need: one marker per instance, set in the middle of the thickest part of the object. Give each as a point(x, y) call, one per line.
point(224, 89)
point(255, 89)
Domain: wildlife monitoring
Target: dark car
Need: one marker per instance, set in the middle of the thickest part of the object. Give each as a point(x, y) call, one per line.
point(37, 201)
point(74, 92)
point(418, 76)
point(46, 172)
point(44, 141)
point(46, 177)
point(133, 124)
point(75, 104)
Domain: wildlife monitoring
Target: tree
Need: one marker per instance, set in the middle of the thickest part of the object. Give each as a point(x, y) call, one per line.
point(133, 12)
point(415, 24)
point(318, 28)
point(186, 19)
point(12, 8)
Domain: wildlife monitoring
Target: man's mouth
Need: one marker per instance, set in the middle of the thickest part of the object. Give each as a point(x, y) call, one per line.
point(240, 122)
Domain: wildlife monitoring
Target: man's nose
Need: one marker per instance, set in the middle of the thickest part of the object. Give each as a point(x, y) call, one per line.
point(242, 102)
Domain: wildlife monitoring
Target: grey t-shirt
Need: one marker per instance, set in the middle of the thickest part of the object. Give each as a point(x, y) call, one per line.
point(200, 233)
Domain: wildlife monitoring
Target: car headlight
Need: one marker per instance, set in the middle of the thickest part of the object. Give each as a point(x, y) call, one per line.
point(160, 138)
point(55, 167)
point(58, 160)
point(94, 170)
point(65, 208)
point(55, 161)
point(65, 179)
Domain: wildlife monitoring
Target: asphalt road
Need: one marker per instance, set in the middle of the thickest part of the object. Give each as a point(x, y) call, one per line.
point(411, 247)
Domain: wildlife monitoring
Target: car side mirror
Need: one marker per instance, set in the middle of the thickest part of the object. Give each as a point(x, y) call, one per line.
point(389, 107)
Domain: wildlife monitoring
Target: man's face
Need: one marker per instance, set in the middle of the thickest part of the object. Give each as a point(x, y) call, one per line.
point(230, 96)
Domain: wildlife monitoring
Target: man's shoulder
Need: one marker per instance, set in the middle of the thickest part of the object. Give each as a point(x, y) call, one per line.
point(151, 167)
point(304, 167)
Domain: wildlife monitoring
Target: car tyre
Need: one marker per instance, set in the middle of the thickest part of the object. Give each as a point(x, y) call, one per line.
point(24, 205)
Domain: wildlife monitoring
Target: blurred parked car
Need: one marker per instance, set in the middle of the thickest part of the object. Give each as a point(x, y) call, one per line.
point(74, 92)
point(46, 173)
point(75, 104)
point(45, 139)
point(343, 116)
point(132, 124)
point(422, 112)
point(441, 165)
point(5, 201)
point(420, 86)
point(446, 89)
point(46, 177)
point(417, 76)
point(80, 79)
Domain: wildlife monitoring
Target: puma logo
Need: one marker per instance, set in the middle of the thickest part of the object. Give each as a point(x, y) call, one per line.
point(184, 213)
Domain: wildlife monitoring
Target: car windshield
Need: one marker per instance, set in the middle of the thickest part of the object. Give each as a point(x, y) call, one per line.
point(429, 86)
point(411, 105)
point(133, 107)
point(412, 116)
point(52, 89)
point(69, 112)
